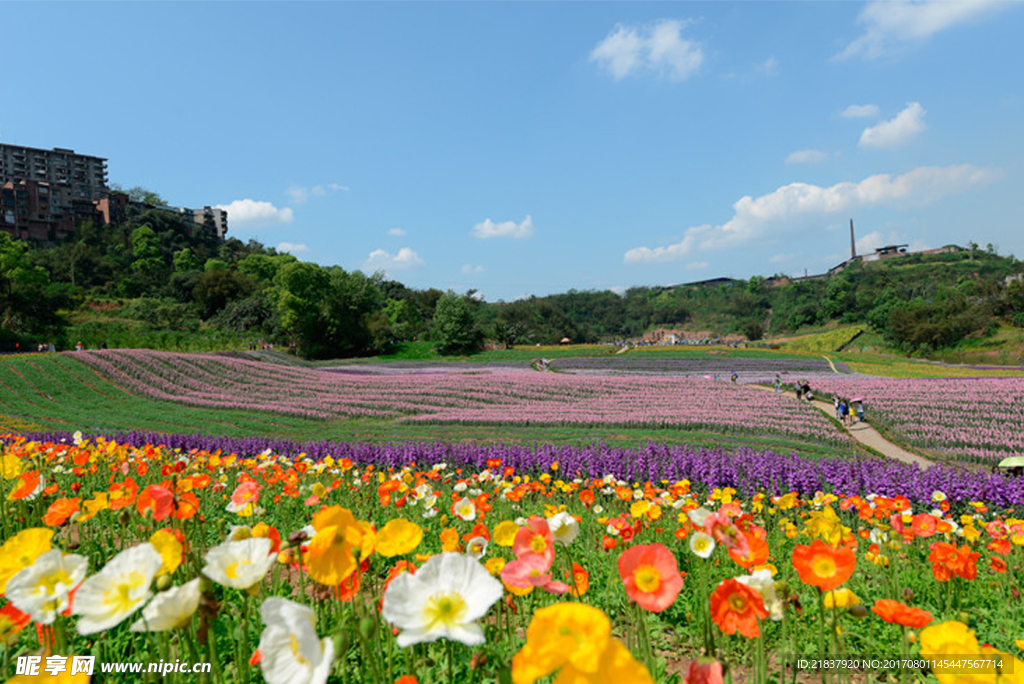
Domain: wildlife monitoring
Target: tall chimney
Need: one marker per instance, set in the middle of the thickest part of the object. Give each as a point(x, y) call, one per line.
point(853, 244)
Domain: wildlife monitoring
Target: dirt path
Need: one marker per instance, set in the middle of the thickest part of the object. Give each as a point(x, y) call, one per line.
point(867, 435)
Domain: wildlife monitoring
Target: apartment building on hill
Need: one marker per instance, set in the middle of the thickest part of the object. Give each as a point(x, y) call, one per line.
point(44, 192)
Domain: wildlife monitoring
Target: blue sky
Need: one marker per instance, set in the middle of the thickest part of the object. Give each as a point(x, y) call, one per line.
point(530, 148)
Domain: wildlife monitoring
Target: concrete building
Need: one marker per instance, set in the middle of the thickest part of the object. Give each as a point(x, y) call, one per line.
point(71, 176)
point(213, 218)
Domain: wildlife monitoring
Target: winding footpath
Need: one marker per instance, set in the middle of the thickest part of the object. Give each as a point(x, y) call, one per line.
point(867, 435)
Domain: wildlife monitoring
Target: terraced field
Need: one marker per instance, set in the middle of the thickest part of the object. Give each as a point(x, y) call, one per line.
point(120, 391)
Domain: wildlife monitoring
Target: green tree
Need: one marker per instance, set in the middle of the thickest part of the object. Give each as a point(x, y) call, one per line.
point(403, 318)
point(185, 260)
point(455, 324)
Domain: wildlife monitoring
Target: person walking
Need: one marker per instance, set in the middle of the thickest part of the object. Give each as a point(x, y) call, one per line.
point(835, 402)
point(778, 383)
point(860, 411)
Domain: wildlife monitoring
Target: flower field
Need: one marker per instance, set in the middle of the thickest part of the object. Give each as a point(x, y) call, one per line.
point(458, 563)
point(967, 419)
point(749, 369)
point(507, 398)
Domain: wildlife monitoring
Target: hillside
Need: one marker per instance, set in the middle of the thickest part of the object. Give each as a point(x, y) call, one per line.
point(152, 281)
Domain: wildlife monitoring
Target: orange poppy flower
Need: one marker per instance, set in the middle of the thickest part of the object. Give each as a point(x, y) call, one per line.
point(1000, 546)
point(12, 621)
point(949, 561)
point(188, 506)
point(28, 484)
point(59, 512)
point(822, 566)
point(122, 494)
point(997, 564)
point(449, 540)
point(155, 502)
point(580, 580)
point(736, 607)
point(651, 576)
point(348, 588)
point(924, 525)
point(897, 613)
point(757, 552)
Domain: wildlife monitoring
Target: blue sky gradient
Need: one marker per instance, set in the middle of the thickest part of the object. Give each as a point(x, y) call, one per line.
point(530, 148)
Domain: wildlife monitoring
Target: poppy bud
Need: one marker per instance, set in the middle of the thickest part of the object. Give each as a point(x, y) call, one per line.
point(297, 536)
point(908, 594)
point(858, 611)
point(163, 582)
point(366, 627)
point(124, 517)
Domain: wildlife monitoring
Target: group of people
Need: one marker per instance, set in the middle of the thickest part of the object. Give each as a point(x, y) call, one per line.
point(803, 390)
point(845, 409)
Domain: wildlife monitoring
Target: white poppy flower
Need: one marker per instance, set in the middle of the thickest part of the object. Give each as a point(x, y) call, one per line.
point(476, 548)
point(702, 544)
point(564, 528)
point(292, 652)
point(118, 590)
point(762, 582)
point(171, 609)
point(444, 598)
point(239, 564)
point(42, 589)
point(465, 509)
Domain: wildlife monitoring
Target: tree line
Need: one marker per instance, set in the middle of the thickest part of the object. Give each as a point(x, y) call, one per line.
point(156, 269)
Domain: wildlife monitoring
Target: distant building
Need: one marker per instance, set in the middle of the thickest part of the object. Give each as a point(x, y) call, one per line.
point(44, 192)
point(70, 175)
point(30, 211)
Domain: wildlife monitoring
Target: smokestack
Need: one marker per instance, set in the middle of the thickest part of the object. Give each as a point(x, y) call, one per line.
point(853, 244)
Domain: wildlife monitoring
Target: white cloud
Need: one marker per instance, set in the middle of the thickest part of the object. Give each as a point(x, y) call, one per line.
point(802, 206)
point(781, 258)
point(769, 67)
point(469, 269)
point(292, 248)
point(381, 260)
point(806, 157)
point(250, 214)
point(397, 232)
point(895, 132)
point(891, 24)
point(859, 111)
point(618, 289)
point(697, 265)
point(869, 242)
point(490, 229)
point(658, 47)
point(299, 194)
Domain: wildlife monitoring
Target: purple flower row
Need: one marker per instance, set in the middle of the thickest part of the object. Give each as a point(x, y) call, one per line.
point(747, 470)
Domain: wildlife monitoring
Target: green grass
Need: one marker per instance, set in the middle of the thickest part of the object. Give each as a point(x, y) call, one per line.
point(57, 392)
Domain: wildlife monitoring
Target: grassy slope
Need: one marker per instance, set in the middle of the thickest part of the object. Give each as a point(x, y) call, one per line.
point(57, 392)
